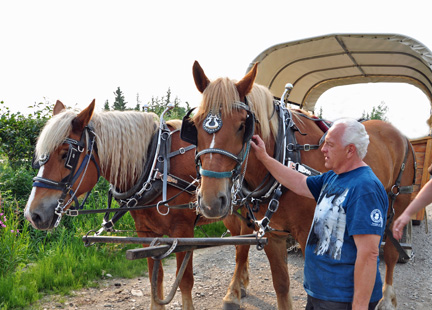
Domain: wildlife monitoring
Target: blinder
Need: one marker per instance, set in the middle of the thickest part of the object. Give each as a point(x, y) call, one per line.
point(188, 130)
point(249, 127)
point(74, 152)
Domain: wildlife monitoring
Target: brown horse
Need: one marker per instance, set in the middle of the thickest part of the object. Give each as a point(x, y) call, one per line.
point(221, 151)
point(122, 142)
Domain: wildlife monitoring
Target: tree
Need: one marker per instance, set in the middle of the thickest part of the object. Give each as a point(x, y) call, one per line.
point(378, 112)
point(119, 101)
point(106, 106)
point(18, 133)
point(158, 105)
point(138, 105)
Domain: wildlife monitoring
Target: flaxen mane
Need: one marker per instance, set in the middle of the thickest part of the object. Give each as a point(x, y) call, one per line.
point(122, 140)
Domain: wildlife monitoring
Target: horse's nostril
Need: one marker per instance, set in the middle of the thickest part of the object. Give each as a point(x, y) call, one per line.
point(35, 218)
point(223, 201)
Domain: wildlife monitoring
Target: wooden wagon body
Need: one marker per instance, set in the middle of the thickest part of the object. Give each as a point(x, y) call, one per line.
point(423, 154)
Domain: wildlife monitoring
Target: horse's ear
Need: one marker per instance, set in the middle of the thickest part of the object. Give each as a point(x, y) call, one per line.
point(58, 107)
point(201, 80)
point(83, 118)
point(244, 86)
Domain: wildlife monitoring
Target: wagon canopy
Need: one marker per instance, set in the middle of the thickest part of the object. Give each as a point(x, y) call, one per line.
point(317, 64)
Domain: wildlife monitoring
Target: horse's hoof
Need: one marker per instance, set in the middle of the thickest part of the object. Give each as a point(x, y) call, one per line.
point(242, 292)
point(230, 306)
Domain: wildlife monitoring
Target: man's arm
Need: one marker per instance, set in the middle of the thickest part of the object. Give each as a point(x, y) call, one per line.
point(423, 198)
point(288, 177)
point(365, 269)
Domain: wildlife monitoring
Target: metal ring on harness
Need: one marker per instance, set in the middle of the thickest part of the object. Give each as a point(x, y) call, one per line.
point(260, 245)
point(157, 208)
point(290, 147)
point(398, 190)
point(165, 135)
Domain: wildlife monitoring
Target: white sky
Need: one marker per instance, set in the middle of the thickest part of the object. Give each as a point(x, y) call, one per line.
point(76, 51)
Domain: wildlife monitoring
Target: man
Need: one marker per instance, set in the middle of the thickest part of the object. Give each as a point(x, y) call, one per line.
point(340, 272)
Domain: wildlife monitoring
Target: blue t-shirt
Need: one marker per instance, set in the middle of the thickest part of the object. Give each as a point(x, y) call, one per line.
point(351, 203)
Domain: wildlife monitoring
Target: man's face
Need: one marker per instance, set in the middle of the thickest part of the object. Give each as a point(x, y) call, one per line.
point(335, 155)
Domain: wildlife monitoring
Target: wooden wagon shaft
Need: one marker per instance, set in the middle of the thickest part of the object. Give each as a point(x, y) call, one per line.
point(158, 250)
point(164, 244)
point(238, 240)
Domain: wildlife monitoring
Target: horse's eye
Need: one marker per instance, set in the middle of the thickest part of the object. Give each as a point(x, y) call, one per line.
point(241, 127)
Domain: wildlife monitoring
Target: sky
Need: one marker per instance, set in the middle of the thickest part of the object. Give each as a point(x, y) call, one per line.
point(77, 51)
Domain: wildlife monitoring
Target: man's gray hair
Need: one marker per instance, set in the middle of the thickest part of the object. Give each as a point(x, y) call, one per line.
point(355, 133)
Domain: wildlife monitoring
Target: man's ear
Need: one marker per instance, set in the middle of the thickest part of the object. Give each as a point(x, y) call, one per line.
point(351, 149)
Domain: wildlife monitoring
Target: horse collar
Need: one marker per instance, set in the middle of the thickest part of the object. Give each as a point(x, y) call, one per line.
point(212, 123)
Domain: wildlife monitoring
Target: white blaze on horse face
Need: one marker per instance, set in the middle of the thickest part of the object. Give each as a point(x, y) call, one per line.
point(31, 197)
point(212, 144)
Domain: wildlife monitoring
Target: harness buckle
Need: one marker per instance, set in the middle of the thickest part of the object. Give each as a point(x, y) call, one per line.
point(70, 212)
point(131, 203)
point(108, 226)
point(275, 203)
point(306, 147)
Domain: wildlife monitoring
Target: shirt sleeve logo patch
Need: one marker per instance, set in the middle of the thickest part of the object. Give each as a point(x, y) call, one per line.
point(377, 218)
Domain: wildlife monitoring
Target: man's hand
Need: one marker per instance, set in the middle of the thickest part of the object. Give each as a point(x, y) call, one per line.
point(399, 225)
point(259, 147)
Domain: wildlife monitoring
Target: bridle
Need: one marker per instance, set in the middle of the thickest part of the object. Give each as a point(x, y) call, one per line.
point(76, 148)
point(211, 124)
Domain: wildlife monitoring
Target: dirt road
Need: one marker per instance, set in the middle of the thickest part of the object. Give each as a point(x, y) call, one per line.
point(213, 268)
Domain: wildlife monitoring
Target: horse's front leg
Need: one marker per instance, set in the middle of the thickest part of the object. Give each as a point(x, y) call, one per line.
point(277, 255)
point(187, 281)
point(239, 281)
point(391, 256)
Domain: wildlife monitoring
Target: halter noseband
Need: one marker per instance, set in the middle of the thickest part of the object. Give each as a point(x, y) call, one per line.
point(65, 185)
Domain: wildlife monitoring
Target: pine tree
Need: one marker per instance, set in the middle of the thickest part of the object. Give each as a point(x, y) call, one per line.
point(138, 105)
point(106, 106)
point(119, 101)
point(378, 112)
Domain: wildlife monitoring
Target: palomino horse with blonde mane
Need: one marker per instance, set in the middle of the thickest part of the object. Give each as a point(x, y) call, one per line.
point(116, 145)
point(222, 127)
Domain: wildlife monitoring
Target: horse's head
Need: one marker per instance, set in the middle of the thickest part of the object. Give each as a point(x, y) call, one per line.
point(221, 129)
point(67, 165)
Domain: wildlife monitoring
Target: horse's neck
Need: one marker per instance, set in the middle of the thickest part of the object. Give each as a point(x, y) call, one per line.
point(256, 171)
point(110, 177)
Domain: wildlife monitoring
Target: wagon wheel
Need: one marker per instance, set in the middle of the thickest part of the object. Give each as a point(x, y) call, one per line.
point(176, 284)
point(407, 241)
